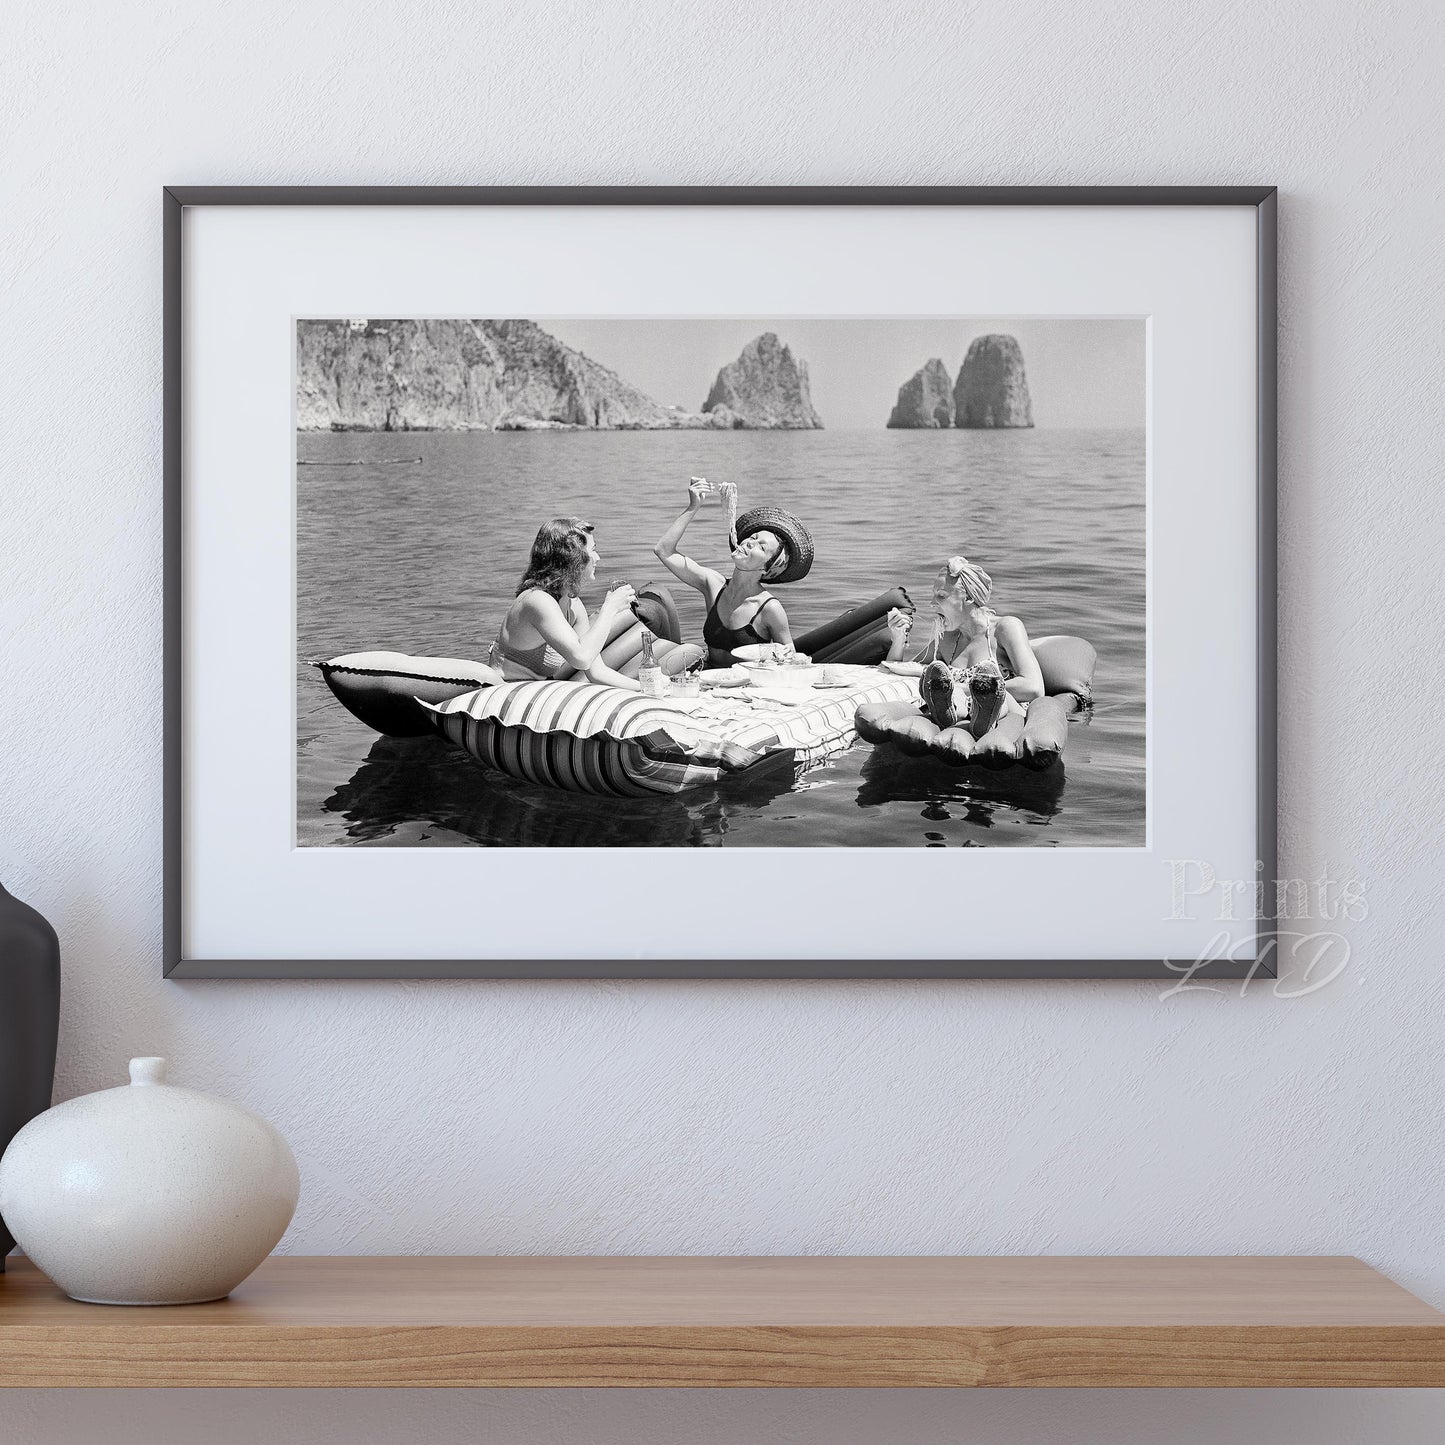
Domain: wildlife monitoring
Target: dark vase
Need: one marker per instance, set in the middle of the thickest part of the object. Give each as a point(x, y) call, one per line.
point(29, 1021)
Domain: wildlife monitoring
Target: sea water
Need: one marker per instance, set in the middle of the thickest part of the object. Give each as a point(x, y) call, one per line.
point(424, 558)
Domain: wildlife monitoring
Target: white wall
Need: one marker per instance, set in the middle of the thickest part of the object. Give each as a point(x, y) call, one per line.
point(709, 1118)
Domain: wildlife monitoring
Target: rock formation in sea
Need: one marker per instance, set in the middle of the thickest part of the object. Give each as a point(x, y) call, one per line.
point(463, 376)
point(766, 388)
point(925, 399)
point(992, 390)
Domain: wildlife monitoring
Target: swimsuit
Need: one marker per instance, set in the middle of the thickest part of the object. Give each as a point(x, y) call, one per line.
point(1001, 659)
point(721, 639)
point(541, 661)
point(538, 663)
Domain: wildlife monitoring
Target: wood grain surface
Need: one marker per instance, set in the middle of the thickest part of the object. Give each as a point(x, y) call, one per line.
point(711, 1322)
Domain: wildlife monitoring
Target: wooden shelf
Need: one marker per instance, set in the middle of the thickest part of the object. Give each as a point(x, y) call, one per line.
point(1170, 1322)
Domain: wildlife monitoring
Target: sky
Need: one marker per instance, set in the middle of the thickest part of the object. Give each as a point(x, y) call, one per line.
point(1082, 372)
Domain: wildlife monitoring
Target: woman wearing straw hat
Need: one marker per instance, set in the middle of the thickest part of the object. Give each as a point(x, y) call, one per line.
point(745, 622)
point(990, 656)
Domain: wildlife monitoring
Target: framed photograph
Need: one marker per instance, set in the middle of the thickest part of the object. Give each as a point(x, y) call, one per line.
point(720, 583)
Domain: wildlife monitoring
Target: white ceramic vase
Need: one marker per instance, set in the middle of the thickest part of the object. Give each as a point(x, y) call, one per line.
point(148, 1194)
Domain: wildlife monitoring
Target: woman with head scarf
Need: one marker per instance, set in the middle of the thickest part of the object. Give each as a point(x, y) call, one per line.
point(976, 665)
point(745, 622)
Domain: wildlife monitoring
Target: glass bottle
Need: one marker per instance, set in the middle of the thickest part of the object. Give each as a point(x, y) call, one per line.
point(649, 674)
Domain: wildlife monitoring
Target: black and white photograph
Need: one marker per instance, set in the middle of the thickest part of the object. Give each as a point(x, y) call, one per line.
point(745, 582)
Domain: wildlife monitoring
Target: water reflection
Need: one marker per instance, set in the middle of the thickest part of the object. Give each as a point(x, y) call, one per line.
point(422, 792)
point(948, 794)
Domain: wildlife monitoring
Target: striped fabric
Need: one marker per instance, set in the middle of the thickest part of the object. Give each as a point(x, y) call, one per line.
point(589, 738)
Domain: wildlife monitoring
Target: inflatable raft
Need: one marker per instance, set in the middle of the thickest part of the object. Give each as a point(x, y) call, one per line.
point(1035, 740)
point(588, 738)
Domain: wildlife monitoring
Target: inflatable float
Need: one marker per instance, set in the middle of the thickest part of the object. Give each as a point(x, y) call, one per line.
point(858, 635)
point(1035, 740)
point(384, 689)
point(588, 738)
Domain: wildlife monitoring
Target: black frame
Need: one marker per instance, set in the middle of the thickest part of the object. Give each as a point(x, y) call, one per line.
point(1264, 199)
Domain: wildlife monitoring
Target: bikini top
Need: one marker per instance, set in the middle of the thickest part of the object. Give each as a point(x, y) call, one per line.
point(541, 661)
point(721, 638)
point(1000, 658)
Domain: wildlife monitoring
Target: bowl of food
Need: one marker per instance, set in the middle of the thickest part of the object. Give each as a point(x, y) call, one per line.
point(795, 674)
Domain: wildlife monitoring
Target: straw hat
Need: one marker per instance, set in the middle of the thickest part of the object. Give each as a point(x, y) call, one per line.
point(797, 544)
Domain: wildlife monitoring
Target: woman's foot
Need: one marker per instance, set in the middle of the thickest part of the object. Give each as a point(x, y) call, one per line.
point(935, 687)
point(987, 697)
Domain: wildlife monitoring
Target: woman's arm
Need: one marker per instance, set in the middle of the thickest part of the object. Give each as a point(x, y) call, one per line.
point(541, 611)
point(899, 623)
point(1027, 683)
point(600, 672)
point(775, 624)
point(582, 624)
point(914, 666)
point(704, 579)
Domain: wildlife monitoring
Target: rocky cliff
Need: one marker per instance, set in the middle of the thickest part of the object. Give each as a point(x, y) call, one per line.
point(765, 388)
point(461, 376)
point(925, 399)
point(992, 389)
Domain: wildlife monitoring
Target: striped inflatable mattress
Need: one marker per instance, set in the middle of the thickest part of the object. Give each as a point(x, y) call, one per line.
point(589, 738)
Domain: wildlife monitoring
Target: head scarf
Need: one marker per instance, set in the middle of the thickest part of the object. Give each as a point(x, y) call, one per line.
point(974, 582)
point(781, 561)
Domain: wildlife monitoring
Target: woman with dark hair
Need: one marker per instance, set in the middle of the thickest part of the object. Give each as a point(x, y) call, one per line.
point(745, 622)
point(546, 629)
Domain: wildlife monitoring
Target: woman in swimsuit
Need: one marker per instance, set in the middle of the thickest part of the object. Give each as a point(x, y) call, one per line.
point(547, 628)
point(745, 623)
point(974, 654)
